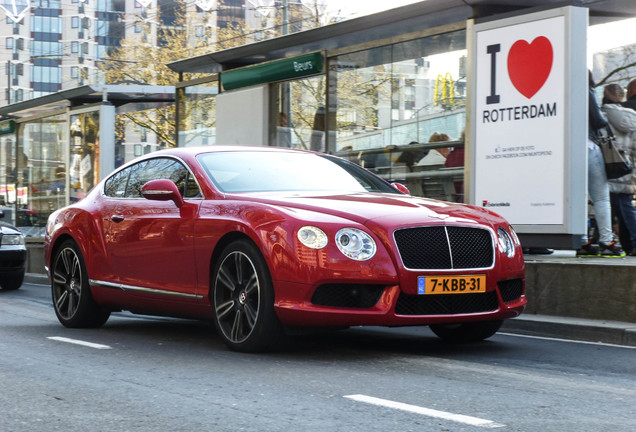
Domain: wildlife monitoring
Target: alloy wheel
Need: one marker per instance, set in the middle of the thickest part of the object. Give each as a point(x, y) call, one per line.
point(237, 294)
point(67, 283)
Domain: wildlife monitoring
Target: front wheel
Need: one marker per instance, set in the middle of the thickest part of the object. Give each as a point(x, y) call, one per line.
point(243, 299)
point(467, 331)
point(72, 298)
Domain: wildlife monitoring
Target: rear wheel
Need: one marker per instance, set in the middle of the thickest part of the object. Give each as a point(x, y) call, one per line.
point(243, 299)
point(466, 332)
point(72, 298)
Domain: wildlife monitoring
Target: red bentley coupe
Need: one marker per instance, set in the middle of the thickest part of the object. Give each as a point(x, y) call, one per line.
point(262, 239)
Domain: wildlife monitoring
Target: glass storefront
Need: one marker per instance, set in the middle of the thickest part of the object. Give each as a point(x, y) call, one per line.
point(8, 193)
point(84, 154)
point(407, 94)
point(300, 113)
point(48, 163)
point(39, 173)
point(197, 114)
point(401, 93)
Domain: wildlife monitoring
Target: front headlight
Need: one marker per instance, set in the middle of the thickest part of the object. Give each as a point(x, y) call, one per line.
point(312, 237)
point(355, 244)
point(12, 240)
point(506, 243)
point(515, 238)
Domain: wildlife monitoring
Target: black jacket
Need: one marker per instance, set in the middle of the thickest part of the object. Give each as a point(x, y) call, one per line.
point(630, 103)
point(596, 121)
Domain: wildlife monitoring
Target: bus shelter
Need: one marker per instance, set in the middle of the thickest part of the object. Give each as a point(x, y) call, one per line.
point(55, 148)
point(396, 93)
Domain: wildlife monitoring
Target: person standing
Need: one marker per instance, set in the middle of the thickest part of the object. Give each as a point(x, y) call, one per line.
point(623, 122)
point(598, 188)
point(436, 156)
point(631, 95)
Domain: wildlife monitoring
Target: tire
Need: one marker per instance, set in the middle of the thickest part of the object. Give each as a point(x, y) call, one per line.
point(466, 332)
point(72, 299)
point(243, 299)
point(12, 282)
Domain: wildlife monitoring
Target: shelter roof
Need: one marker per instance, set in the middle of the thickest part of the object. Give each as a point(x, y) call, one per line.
point(120, 96)
point(386, 24)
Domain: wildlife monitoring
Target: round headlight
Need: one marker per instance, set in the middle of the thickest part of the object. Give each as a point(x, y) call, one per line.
point(13, 240)
point(506, 243)
point(312, 237)
point(355, 244)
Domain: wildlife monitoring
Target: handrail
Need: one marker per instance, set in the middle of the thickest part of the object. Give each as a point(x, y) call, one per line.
point(443, 173)
point(395, 149)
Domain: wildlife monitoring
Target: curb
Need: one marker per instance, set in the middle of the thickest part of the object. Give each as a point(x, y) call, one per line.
point(36, 279)
point(588, 330)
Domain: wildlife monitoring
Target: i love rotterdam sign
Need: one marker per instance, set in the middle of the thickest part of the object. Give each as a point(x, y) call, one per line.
point(522, 114)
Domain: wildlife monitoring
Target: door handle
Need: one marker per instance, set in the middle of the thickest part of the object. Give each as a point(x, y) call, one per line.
point(117, 218)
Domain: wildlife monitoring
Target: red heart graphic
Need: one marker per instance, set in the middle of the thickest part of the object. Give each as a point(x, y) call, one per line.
point(529, 65)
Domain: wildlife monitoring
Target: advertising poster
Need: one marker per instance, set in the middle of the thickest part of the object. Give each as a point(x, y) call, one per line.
point(519, 120)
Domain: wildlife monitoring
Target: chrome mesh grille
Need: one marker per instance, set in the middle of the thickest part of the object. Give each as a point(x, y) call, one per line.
point(511, 290)
point(446, 304)
point(445, 247)
point(347, 295)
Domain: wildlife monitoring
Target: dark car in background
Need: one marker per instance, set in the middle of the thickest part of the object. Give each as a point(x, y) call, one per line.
point(12, 256)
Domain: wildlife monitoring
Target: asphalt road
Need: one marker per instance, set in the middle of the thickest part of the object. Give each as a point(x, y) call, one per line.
point(158, 374)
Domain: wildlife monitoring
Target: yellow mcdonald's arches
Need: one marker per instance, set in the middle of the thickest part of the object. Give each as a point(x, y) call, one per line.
point(447, 91)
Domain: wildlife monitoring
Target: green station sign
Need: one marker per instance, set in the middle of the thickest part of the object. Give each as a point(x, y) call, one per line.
point(278, 70)
point(7, 127)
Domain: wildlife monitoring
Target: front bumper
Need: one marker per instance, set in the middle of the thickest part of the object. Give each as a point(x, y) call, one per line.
point(12, 260)
point(295, 306)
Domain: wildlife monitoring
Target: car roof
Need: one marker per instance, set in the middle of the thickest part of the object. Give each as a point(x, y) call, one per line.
point(194, 151)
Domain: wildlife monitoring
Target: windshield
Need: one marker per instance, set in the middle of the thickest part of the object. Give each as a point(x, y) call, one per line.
point(255, 171)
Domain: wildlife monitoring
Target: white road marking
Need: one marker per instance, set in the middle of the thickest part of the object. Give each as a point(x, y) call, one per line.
point(567, 340)
point(79, 342)
point(473, 421)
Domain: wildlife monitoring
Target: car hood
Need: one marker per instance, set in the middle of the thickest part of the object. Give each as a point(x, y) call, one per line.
point(363, 208)
point(5, 228)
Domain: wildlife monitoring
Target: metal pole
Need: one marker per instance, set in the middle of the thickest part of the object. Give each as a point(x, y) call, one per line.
point(285, 90)
point(8, 82)
point(285, 17)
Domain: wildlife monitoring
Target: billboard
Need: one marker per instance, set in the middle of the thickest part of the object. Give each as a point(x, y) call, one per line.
point(528, 120)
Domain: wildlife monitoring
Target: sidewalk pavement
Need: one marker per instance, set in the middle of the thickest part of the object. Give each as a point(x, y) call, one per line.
point(610, 332)
point(588, 330)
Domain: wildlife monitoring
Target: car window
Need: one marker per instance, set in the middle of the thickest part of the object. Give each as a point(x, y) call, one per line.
point(288, 171)
point(192, 188)
point(162, 168)
point(116, 185)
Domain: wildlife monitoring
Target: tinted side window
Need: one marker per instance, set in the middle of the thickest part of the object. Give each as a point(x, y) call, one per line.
point(179, 175)
point(192, 188)
point(115, 186)
point(136, 181)
point(161, 168)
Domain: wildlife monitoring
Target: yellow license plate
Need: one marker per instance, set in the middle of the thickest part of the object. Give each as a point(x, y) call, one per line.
point(451, 284)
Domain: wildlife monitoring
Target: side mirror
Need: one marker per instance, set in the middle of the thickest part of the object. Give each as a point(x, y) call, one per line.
point(162, 190)
point(401, 188)
point(1, 214)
